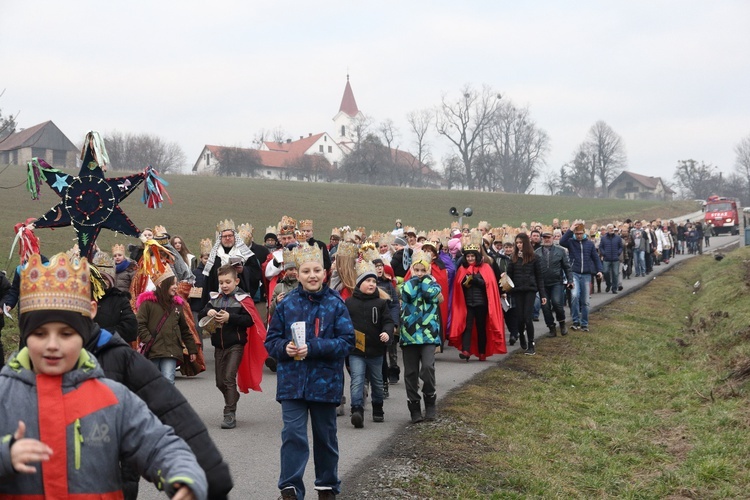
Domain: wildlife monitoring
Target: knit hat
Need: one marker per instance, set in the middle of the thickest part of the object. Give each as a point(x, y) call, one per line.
point(365, 269)
point(400, 241)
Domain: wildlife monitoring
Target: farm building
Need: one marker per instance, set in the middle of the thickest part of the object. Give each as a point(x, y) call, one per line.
point(632, 186)
point(41, 141)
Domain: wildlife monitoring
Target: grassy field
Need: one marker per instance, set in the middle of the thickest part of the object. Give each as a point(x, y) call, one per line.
point(200, 202)
point(652, 404)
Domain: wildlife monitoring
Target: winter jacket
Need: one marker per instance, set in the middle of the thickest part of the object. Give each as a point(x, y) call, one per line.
point(200, 281)
point(174, 332)
point(234, 331)
point(554, 264)
point(123, 364)
point(329, 332)
point(91, 423)
point(582, 253)
point(527, 277)
point(370, 315)
point(397, 262)
point(125, 277)
point(115, 314)
point(610, 247)
point(475, 292)
point(420, 311)
point(394, 304)
point(285, 285)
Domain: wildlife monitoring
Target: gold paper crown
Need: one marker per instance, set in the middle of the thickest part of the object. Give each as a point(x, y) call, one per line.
point(421, 257)
point(158, 279)
point(62, 285)
point(271, 230)
point(246, 233)
point(104, 262)
point(367, 245)
point(288, 257)
point(305, 252)
point(117, 248)
point(410, 229)
point(484, 224)
point(206, 246)
point(363, 268)
point(336, 232)
point(286, 226)
point(306, 224)
point(473, 242)
point(159, 230)
point(347, 249)
point(454, 225)
point(370, 254)
point(74, 252)
point(225, 225)
point(421, 234)
point(507, 239)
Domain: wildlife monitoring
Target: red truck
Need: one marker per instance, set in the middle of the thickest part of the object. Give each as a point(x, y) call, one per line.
point(723, 214)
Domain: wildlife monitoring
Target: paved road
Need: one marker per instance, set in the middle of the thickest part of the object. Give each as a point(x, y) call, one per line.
point(252, 449)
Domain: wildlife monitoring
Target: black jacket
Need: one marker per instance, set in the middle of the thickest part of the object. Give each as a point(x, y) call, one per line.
point(527, 277)
point(250, 278)
point(234, 331)
point(555, 265)
point(397, 262)
point(115, 314)
point(123, 364)
point(475, 289)
point(371, 315)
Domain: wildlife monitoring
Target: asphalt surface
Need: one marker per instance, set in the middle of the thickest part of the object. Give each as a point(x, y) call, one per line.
point(252, 448)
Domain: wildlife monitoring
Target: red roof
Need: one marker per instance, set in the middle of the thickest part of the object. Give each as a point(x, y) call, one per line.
point(348, 104)
point(294, 148)
point(270, 159)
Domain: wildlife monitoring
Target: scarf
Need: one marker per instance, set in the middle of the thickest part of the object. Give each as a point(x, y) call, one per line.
point(240, 249)
point(122, 266)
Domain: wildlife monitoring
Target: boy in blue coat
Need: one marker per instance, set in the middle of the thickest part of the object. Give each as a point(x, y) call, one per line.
point(310, 376)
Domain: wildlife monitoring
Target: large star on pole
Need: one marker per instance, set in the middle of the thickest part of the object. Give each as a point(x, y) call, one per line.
point(90, 202)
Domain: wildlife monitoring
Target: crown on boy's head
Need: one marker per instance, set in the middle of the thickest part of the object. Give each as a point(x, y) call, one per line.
point(306, 224)
point(370, 254)
point(62, 284)
point(206, 246)
point(117, 248)
point(246, 233)
point(288, 257)
point(305, 252)
point(365, 269)
point(225, 225)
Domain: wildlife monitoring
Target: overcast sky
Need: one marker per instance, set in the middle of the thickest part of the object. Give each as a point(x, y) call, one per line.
point(671, 77)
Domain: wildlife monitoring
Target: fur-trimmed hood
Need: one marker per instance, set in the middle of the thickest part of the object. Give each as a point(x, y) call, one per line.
point(151, 297)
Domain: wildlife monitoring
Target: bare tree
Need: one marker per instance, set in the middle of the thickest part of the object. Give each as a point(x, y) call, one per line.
point(464, 121)
point(698, 180)
point(453, 172)
point(137, 151)
point(235, 161)
point(519, 147)
point(7, 123)
point(581, 172)
point(609, 153)
point(742, 166)
point(312, 167)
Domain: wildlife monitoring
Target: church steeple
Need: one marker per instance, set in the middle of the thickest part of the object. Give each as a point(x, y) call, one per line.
point(348, 103)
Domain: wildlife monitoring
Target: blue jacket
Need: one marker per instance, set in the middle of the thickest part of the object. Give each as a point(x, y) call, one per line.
point(319, 378)
point(610, 247)
point(584, 258)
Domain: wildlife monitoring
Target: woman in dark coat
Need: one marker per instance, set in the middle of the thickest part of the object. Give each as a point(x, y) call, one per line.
point(526, 272)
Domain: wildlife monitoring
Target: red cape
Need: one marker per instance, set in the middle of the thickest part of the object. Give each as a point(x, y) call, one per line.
point(495, 322)
point(250, 372)
point(441, 276)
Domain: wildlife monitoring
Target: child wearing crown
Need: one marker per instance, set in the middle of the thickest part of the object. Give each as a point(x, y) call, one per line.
point(65, 427)
point(310, 334)
point(420, 333)
point(124, 268)
point(369, 308)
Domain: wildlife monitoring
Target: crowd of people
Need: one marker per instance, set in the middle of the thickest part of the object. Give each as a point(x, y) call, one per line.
point(306, 309)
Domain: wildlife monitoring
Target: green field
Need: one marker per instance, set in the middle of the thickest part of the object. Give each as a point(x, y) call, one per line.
point(200, 202)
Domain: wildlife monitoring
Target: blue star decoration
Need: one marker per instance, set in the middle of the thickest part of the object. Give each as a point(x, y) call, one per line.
point(90, 202)
point(60, 183)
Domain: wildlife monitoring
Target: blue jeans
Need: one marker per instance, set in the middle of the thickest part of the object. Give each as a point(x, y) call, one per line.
point(167, 367)
point(537, 306)
point(611, 273)
point(555, 303)
point(639, 260)
point(579, 297)
point(295, 449)
point(360, 367)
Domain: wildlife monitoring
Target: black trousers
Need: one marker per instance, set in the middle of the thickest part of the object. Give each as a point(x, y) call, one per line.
point(478, 315)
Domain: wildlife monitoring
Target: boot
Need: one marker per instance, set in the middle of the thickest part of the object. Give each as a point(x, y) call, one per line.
point(288, 493)
point(429, 407)
point(563, 328)
point(326, 495)
point(229, 421)
point(377, 412)
point(415, 409)
point(552, 331)
point(393, 374)
point(358, 417)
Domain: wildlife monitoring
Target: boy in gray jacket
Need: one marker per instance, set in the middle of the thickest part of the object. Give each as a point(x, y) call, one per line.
point(58, 410)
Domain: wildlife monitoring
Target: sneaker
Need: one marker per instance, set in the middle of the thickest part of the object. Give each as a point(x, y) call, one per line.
point(575, 327)
point(229, 421)
point(288, 493)
point(530, 351)
point(523, 343)
point(584, 328)
point(358, 418)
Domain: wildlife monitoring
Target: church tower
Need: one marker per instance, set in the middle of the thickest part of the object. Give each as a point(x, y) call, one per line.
point(347, 116)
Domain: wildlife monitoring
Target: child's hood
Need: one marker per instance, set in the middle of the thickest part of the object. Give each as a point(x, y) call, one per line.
point(19, 368)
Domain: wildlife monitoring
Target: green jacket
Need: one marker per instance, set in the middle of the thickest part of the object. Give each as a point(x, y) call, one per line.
point(173, 334)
